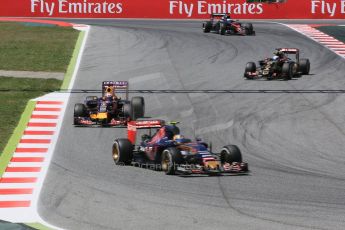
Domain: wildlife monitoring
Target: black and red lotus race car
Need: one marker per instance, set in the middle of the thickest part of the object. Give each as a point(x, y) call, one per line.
point(110, 109)
point(169, 151)
point(285, 64)
point(223, 24)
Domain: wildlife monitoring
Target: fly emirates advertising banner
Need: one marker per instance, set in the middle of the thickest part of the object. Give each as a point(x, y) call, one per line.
point(175, 9)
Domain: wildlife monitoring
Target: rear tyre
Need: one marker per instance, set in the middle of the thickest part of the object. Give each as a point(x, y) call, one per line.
point(246, 31)
point(287, 71)
point(230, 154)
point(127, 110)
point(304, 66)
point(138, 107)
point(206, 27)
point(217, 27)
point(80, 110)
point(222, 29)
point(171, 157)
point(248, 28)
point(122, 152)
point(250, 67)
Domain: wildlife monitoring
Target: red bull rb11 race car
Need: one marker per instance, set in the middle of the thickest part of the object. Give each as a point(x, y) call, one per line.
point(172, 153)
point(110, 109)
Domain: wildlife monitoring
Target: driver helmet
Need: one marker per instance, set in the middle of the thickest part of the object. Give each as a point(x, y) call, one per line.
point(145, 137)
point(226, 17)
point(109, 91)
point(278, 53)
point(275, 58)
point(179, 138)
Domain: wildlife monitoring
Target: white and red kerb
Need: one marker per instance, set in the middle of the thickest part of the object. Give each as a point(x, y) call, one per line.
point(19, 181)
point(330, 42)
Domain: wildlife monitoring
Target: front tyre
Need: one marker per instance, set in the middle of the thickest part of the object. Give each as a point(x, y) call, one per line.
point(222, 29)
point(206, 27)
point(80, 110)
point(230, 154)
point(250, 68)
point(138, 108)
point(248, 27)
point(122, 152)
point(170, 159)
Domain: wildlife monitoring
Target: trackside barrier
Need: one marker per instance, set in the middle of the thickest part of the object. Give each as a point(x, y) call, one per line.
point(174, 9)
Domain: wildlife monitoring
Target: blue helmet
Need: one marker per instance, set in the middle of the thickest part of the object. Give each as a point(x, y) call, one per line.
point(171, 131)
point(275, 58)
point(181, 139)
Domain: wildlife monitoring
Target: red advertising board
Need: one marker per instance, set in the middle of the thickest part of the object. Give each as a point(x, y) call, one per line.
point(173, 9)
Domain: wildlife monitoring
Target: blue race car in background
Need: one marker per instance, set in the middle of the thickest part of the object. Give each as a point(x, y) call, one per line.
point(110, 109)
point(172, 153)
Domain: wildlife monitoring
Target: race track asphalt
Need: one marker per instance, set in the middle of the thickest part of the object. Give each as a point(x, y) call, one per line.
point(294, 143)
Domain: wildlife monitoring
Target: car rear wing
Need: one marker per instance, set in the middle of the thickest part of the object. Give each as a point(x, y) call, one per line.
point(121, 85)
point(132, 127)
point(289, 50)
point(218, 15)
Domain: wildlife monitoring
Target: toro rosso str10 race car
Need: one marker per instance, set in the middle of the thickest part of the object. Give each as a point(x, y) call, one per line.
point(109, 110)
point(223, 24)
point(172, 153)
point(285, 64)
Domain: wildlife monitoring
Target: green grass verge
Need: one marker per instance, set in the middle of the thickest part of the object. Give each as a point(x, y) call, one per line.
point(338, 32)
point(27, 47)
point(15, 94)
point(38, 226)
point(71, 67)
